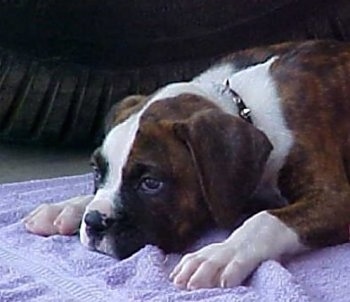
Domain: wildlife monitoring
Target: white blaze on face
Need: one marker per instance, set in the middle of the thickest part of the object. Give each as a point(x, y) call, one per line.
point(116, 149)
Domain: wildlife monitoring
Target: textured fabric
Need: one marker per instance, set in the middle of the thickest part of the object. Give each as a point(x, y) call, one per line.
point(59, 268)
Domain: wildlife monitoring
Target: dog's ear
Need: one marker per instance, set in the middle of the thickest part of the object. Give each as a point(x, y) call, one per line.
point(229, 155)
point(122, 110)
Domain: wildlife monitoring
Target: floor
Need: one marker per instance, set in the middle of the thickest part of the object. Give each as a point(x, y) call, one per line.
point(20, 163)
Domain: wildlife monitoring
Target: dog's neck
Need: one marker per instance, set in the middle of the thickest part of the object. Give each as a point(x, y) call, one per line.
point(252, 84)
point(256, 87)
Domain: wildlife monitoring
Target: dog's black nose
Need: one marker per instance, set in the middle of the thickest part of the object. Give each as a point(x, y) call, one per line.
point(97, 222)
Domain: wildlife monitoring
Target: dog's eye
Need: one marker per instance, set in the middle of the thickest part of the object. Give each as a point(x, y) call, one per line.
point(150, 185)
point(97, 174)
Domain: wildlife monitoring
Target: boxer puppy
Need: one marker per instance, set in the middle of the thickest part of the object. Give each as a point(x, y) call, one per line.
point(267, 124)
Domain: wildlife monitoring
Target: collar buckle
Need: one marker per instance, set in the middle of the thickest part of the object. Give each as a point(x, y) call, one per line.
point(243, 111)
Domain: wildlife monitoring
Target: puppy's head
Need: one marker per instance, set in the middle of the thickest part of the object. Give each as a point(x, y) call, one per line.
point(170, 165)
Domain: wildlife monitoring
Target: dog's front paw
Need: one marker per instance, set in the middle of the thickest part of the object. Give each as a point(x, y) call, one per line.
point(216, 265)
point(60, 218)
point(227, 264)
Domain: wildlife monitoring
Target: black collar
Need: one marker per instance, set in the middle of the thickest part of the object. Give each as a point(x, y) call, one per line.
point(243, 111)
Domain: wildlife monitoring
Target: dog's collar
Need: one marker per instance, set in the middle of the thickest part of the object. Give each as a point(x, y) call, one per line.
point(243, 111)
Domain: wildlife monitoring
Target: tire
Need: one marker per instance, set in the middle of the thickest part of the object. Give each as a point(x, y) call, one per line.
point(64, 63)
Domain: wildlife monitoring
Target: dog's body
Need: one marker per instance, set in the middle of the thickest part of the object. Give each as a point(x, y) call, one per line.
point(183, 158)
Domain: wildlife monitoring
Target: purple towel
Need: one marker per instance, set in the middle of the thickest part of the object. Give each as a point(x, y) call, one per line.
point(58, 268)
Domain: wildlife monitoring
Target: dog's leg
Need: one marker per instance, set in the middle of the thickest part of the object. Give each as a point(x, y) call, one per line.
point(316, 220)
point(58, 218)
point(227, 264)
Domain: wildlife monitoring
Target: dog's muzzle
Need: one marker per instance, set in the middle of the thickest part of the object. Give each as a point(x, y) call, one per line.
point(95, 231)
point(97, 223)
point(111, 234)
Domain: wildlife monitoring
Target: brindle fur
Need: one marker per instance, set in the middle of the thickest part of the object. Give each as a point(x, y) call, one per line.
point(312, 79)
